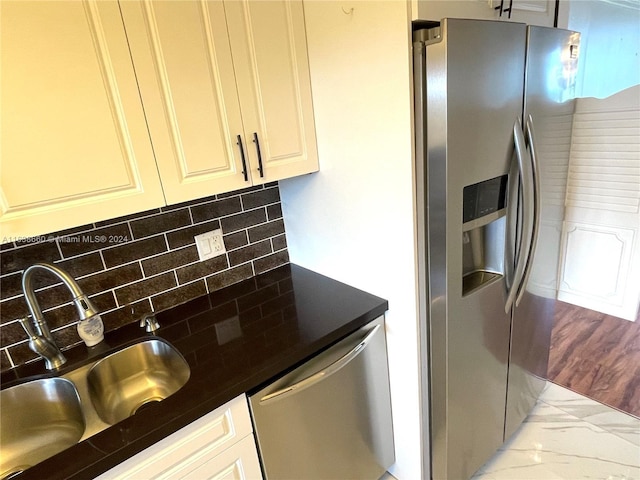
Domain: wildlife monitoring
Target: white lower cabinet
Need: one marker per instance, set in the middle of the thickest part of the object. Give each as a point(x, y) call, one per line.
point(238, 462)
point(218, 446)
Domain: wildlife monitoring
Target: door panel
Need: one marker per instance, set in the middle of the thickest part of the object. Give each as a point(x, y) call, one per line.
point(75, 147)
point(549, 92)
point(269, 47)
point(183, 61)
point(476, 86)
point(596, 269)
point(238, 462)
point(601, 248)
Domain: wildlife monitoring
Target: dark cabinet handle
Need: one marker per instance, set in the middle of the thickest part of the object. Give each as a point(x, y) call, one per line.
point(244, 161)
point(257, 142)
point(510, 8)
point(500, 7)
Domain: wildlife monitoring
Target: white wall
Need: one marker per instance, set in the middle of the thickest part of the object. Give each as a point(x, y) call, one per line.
point(600, 265)
point(610, 45)
point(354, 220)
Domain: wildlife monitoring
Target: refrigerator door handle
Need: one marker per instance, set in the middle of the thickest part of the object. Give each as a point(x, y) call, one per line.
point(323, 373)
point(530, 142)
point(524, 168)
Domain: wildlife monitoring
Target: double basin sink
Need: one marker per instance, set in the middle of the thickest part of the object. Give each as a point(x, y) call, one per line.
point(44, 416)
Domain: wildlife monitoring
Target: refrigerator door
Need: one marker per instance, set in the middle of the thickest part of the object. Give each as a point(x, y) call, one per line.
point(468, 98)
point(552, 56)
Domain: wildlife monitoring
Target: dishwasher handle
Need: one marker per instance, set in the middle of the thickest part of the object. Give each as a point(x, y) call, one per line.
point(322, 374)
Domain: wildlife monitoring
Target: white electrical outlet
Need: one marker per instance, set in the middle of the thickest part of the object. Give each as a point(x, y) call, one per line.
point(210, 244)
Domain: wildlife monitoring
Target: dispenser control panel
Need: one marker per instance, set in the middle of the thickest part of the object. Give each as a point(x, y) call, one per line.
point(484, 198)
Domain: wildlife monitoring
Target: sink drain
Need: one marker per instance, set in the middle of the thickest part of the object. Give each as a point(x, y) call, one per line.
point(145, 403)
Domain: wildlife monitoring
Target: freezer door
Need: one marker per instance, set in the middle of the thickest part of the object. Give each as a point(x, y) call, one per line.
point(472, 91)
point(330, 417)
point(552, 56)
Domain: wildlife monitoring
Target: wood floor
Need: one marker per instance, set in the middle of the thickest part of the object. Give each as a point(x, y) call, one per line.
point(596, 355)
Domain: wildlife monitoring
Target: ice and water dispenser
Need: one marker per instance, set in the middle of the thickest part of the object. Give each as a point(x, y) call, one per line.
point(483, 233)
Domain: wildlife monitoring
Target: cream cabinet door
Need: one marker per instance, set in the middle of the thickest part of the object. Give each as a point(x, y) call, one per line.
point(74, 143)
point(238, 462)
point(531, 12)
point(226, 90)
point(218, 445)
point(269, 47)
point(182, 57)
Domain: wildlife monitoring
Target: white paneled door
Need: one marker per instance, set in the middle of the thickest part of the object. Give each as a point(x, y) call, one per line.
point(74, 145)
point(600, 266)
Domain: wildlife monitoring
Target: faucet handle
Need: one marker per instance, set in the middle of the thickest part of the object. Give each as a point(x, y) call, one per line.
point(47, 349)
point(149, 322)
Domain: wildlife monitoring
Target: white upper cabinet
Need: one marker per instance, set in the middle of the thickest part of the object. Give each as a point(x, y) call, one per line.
point(269, 46)
point(110, 108)
point(183, 60)
point(74, 142)
point(532, 12)
point(226, 89)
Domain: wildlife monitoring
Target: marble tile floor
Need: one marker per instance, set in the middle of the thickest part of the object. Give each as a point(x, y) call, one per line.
point(568, 436)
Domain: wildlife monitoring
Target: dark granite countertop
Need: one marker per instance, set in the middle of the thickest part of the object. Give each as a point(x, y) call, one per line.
point(284, 316)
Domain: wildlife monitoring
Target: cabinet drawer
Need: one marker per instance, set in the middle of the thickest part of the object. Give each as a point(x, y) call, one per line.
point(190, 447)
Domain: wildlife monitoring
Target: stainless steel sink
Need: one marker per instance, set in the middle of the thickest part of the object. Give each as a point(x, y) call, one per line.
point(38, 419)
point(42, 417)
point(127, 380)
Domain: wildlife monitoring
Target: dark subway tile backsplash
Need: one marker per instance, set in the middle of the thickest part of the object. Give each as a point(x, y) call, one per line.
point(224, 207)
point(266, 230)
point(92, 240)
point(139, 263)
point(184, 236)
point(243, 220)
point(145, 288)
point(20, 258)
point(255, 250)
point(270, 262)
point(145, 227)
point(261, 197)
point(130, 251)
point(170, 260)
point(198, 270)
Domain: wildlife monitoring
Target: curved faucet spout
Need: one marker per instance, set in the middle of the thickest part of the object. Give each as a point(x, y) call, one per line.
point(83, 305)
point(41, 340)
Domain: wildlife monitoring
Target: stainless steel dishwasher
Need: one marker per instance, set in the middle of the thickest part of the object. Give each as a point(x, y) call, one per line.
point(331, 417)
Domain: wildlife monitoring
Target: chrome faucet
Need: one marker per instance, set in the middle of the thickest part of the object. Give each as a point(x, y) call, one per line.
point(40, 339)
point(149, 322)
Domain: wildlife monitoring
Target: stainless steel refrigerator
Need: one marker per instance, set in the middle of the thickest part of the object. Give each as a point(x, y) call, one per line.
point(493, 112)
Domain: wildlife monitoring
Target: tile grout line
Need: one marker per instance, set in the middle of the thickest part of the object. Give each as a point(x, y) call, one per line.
point(127, 224)
point(139, 262)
